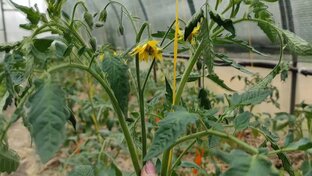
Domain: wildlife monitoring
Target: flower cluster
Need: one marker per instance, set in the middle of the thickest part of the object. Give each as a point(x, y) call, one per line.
point(148, 50)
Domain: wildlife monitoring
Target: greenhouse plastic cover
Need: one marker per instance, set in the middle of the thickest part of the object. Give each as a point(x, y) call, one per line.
point(160, 15)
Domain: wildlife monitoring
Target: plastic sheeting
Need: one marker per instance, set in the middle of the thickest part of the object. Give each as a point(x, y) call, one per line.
point(160, 14)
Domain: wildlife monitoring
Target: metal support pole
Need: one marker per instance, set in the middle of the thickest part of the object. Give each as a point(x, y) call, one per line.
point(191, 6)
point(288, 23)
point(3, 23)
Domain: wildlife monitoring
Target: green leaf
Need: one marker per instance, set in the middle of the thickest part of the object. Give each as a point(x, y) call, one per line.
point(215, 78)
point(42, 44)
point(262, 13)
point(296, 44)
point(47, 117)
point(233, 63)
point(170, 129)
point(32, 15)
point(240, 163)
point(251, 97)
point(118, 77)
point(192, 23)
point(241, 122)
point(9, 46)
point(227, 24)
point(303, 144)
point(169, 94)
point(193, 77)
point(161, 34)
point(82, 170)
point(9, 159)
point(241, 43)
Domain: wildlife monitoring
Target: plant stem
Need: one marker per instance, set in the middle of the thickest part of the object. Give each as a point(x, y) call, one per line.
point(181, 155)
point(120, 115)
point(187, 72)
point(141, 104)
point(242, 144)
point(127, 13)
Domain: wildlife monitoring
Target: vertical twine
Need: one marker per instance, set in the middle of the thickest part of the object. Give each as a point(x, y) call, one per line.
point(175, 52)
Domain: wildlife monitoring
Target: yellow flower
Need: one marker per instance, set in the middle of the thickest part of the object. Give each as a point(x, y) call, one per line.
point(180, 35)
point(101, 57)
point(148, 50)
point(194, 34)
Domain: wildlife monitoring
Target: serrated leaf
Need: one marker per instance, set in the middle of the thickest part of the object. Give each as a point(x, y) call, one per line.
point(296, 44)
point(47, 117)
point(262, 13)
point(118, 77)
point(251, 97)
point(215, 78)
point(244, 44)
point(241, 122)
point(9, 159)
point(170, 129)
point(192, 23)
point(244, 164)
point(82, 170)
point(32, 15)
point(233, 63)
point(227, 24)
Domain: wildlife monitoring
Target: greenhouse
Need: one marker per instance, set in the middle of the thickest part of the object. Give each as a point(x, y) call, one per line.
point(155, 88)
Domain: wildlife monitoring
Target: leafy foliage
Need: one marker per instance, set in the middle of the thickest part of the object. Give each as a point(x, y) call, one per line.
point(244, 164)
point(47, 117)
point(262, 13)
point(9, 159)
point(82, 170)
point(241, 122)
point(225, 23)
point(170, 129)
point(117, 75)
point(215, 78)
point(252, 97)
point(296, 44)
point(33, 15)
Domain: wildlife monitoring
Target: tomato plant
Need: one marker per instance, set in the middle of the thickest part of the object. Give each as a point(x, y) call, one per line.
point(37, 75)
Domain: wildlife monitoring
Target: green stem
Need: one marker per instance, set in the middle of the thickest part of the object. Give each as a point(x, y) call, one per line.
point(126, 12)
point(120, 115)
point(285, 150)
point(141, 104)
point(148, 73)
point(74, 11)
point(242, 144)
point(164, 162)
point(188, 70)
point(176, 162)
